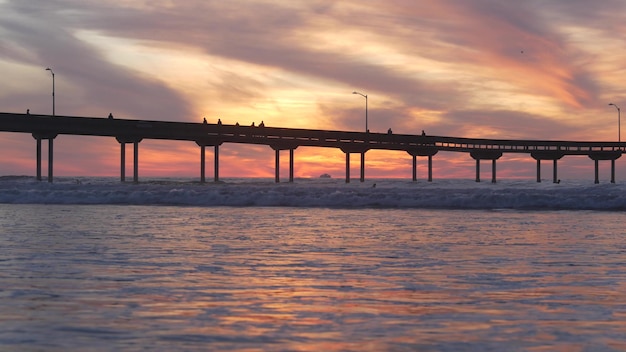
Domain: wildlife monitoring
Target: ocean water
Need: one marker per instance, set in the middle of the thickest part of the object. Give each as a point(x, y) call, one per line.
point(318, 265)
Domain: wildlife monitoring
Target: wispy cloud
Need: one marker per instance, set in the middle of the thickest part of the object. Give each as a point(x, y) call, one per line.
point(477, 68)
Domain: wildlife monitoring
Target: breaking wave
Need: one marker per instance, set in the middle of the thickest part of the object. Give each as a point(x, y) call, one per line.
point(381, 193)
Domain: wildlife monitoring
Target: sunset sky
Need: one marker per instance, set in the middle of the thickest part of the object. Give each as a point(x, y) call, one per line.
point(533, 69)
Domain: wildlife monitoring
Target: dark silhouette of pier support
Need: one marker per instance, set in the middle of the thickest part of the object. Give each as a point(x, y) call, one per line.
point(277, 148)
point(347, 167)
point(362, 166)
point(50, 158)
point(50, 137)
point(430, 168)
point(355, 149)
point(123, 162)
point(362, 178)
point(291, 165)
point(604, 155)
point(277, 166)
point(492, 155)
point(547, 155)
point(123, 141)
point(216, 156)
point(612, 170)
point(202, 163)
point(38, 162)
point(423, 151)
point(216, 163)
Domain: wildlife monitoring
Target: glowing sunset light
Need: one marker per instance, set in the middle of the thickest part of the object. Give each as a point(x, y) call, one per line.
point(527, 70)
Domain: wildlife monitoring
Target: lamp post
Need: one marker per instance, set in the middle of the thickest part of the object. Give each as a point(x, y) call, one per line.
point(365, 96)
point(619, 129)
point(53, 100)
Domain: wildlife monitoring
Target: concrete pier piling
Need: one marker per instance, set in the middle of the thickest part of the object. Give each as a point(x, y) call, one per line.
point(492, 155)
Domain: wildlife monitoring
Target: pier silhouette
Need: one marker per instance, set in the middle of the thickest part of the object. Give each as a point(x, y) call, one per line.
point(128, 131)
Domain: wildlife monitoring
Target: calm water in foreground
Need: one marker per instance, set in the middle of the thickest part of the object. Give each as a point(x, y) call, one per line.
point(109, 278)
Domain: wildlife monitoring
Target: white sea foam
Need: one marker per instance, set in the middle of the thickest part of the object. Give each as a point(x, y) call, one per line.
point(381, 193)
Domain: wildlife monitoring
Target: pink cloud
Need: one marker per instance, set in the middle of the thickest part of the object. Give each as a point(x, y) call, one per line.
point(481, 47)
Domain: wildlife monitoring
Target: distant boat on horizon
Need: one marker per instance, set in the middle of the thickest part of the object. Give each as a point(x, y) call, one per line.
point(325, 176)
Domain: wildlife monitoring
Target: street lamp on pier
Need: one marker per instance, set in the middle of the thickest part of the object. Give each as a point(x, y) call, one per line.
point(365, 96)
point(53, 99)
point(619, 129)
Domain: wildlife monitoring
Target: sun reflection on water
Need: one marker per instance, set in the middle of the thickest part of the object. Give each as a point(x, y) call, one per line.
point(301, 279)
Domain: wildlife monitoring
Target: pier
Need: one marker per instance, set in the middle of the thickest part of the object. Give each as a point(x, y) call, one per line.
point(128, 131)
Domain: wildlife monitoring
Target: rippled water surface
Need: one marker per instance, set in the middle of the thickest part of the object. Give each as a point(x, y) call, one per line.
point(108, 278)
